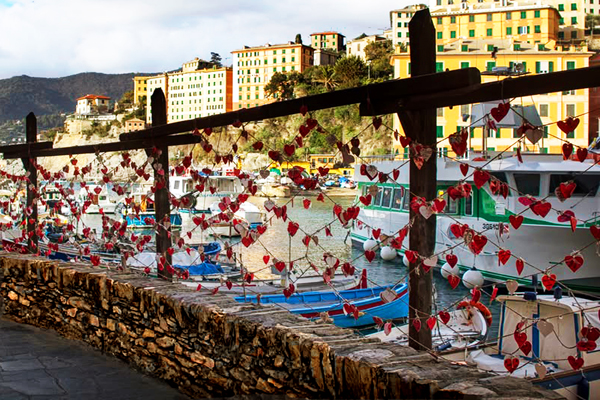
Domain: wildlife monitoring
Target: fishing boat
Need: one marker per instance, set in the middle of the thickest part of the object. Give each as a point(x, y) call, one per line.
point(302, 284)
point(99, 198)
point(466, 328)
point(539, 176)
point(548, 339)
point(346, 308)
point(145, 218)
point(247, 213)
point(215, 188)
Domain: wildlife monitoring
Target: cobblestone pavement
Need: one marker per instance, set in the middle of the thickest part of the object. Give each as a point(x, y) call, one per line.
point(38, 364)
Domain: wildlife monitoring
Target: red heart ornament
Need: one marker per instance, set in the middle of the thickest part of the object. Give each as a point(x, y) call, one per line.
point(464, 168)
point(292, 228)
point(511, 364)
point(525, 347)
point(568, 125)
point(411, 256)
point(582, 154)
point(567, 150)
point(431, 322)
point(590, 333)
point(453, 280)
point(369, 255)
point(478, 243)
point(574, 261)
point(519, 264)
point(503, 256)
point(541, 208)
point(595, 231)
point(548, 281)
point(444, 316)
point(452, 259)
point(417, 324)
point(498, 113)
point(586, 345)
point(576, 363)
point(515, 220)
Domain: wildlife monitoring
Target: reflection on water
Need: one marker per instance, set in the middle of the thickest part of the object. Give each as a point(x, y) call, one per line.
point(277, 243)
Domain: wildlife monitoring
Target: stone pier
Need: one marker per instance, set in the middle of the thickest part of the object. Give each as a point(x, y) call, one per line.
point(211, 346)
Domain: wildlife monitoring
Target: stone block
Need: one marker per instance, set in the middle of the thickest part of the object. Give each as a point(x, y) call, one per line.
point(148, 333)
point(13, 296)
point(94, 320)
point(72, 312)
point(165, 341)
point(24, 301)
point(80, 303)
point(200, 359)
point(111, 324)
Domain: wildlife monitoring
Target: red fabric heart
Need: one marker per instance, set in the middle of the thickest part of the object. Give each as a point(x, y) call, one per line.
point(511, 364)
point(457, 230)
point(377, 122)
point(417, 324)
point(520, 264)
point(576, 363)
point(452, 259)
point(458, 142)
point(478, 243)
point(376, 233)
point(292, 228)
point(404, 141)
point(566, 189)
point(411, 255)
point(444, 316)
point(289, 149)
point(498, 113)
point(464, 168)
point(595, 231)
point(366, 200)
point(548, 281)
point(475, 295)
point(541, 208)
point(453, 280)
point(582, 154)
point(439, 205)
point(503, 256)
point(574, 262)
point(280, 266)
point(369, 255)
point(565, 216)
point(515, 220)
point(568, 125)
point(590, 333)
point(525, 347)
point(306, 203)
point(431, 322)
point(567, 150)
point(480, 177)
point(586, 345)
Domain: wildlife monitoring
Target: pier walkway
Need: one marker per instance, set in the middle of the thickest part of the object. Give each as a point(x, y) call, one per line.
point(39, 364)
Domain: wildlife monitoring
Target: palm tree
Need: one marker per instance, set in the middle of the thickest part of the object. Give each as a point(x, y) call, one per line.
point(326, 77)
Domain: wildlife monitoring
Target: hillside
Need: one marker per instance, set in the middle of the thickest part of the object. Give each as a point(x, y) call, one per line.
point(20, 95)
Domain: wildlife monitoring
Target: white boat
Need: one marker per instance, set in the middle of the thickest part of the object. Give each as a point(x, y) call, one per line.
point(465, 328)
point(100, 199)
point(54, 202)
point(546, 340)
point(537, 177)
point(249, 214)
point(215, 188)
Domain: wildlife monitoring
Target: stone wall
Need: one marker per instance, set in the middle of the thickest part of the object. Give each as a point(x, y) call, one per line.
point(210, 346)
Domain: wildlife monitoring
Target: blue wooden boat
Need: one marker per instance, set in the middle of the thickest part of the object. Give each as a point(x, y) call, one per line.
point(146, 221)
point(367, 301)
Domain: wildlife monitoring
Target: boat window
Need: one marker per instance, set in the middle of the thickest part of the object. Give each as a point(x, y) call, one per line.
point(469, 205)
point(377, 200)
point(586, 184)
point(528, 183)
point(365, 190)
point(386, 197)
point(397, 198)
point(406, 202)
point(176, 185)
point(452, 207)
point(501, 176)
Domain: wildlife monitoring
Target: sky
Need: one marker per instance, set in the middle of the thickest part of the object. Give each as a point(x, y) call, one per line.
point(56, 38)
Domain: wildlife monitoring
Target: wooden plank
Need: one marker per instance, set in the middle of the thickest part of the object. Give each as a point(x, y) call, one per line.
point(581, 78)
point(420, 127)
point(32, 187)
point(162, 205)
point(23, 148)
point(394, 90)
point(176, 140)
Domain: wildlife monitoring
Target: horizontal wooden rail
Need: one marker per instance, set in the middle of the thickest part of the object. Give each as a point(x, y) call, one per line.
point(573, 79)
point(147, 143)
point(384, 92)
point(24, 147)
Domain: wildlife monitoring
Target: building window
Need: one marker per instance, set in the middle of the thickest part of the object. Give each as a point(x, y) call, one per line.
point(439, 35)
point(573, 34)
point(543, 110)
point(440, 131)
point(541, 47)
point(439, 67)
point(440, 48)
point(573, 20)
point(464, 47)
point(471, 32)
point(561, 21)
point(516, 47)
point(509, 30)
point(440, 112)
point(523, 14)
point(452, 20)
point(489, 17)
point(508, 15)
point(537, 29)
point(439, 20)
point(489, 66)
point(453, 35)
point(570, 64)
point(471, 18)
point(464, 64)
point(573, 6)
point(561, 35)
point(399, 35)
point(536, 14)
point(561, 7)
point(489, 32)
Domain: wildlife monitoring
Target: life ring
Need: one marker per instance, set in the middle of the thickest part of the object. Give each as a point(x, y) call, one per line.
point(487, 314)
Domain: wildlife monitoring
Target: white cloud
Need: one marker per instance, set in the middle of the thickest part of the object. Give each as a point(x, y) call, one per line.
point(52, 38)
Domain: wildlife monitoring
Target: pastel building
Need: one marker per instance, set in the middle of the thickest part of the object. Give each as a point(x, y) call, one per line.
point(356, 47)
point(253, 68)
point(193, 92)
point(399, 20)
point(327, 41)
point(140, 88)
point(511, 57)
point(92, 104)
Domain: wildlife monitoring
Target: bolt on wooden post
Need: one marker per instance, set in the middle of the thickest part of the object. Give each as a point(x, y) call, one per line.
point(419, 125)
point(162, 206)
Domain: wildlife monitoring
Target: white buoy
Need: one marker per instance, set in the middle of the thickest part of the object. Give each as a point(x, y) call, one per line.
point(405, 260)
point(369, 244)
point(387, 253)
point(472, 278)
point(448, 270)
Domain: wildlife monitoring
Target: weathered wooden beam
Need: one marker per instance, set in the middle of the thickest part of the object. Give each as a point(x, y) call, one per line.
point(176, 140)
point(573, 79)
point(394, 89)
point(25, 147)
point(162, 205)
point(420, 127)
point(29, 164)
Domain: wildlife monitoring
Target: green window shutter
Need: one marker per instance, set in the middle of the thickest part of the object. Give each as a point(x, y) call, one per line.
point(550, 66)
point(508, 15)
point(490, 65)
point(528, 29)
point(538, 67)
point(538, 29)
point(439, 35)
point(464, 47)
point(561, 7)
point(472, 132)
point(439, 20)
point(536, 14)
point(464, 64)
point(570, 64)
point(509, 31)
point(471, 32)
point(439, 66)
point(498, 135)
point(524, 66)
point(546, 131)
point(471, 18)
point(409, 68)
point(440, 131)
point(490, 47)
point(440, 48)
point(523, 14)
point(489, 32)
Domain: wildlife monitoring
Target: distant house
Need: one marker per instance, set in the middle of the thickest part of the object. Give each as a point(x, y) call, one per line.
point(92, 104)
point(134, 124)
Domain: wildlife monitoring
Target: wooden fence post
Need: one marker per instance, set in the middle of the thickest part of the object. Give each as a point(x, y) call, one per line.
point(29, 163)
point(420, 126)
point(162, 205)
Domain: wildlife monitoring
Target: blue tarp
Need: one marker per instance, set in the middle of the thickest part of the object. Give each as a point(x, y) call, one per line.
point(203, 269)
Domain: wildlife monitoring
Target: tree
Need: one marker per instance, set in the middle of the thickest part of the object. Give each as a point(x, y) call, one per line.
point(324, 75)
point(298, 39)
point(378, 55)
point(216, 59)
point(350, 71)
point(281, 86)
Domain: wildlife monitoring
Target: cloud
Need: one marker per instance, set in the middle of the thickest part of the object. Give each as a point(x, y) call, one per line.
point(52, 38)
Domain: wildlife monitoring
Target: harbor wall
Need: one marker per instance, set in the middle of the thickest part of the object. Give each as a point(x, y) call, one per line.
point(211, 346)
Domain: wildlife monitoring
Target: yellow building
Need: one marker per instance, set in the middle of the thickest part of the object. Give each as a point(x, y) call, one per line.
point(526, 57)
point(253, 68)
point(571, 20)
point(327, 41)
point(399, 20)
point(537, 24)
point(193, 91)
point(140, 88)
